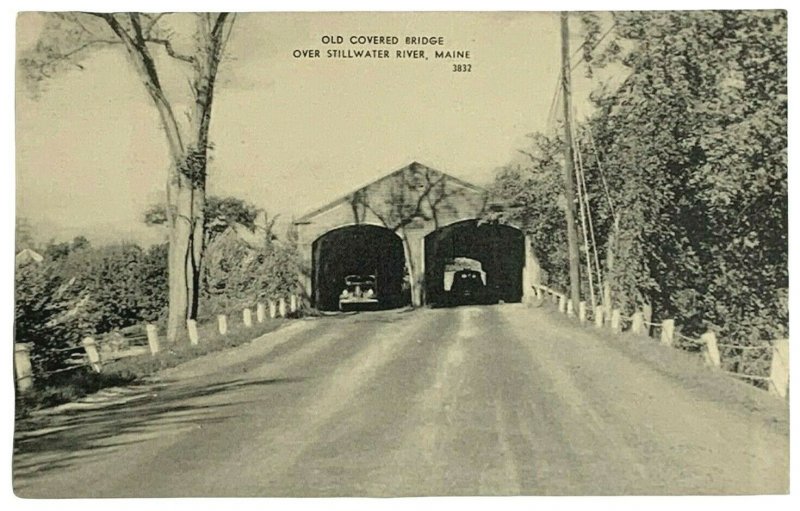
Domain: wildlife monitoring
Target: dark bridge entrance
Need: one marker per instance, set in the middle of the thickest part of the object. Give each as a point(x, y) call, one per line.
point(357, 250)
point(499, 248)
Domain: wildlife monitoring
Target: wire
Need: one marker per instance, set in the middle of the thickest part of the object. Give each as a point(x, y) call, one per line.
point(552, 112)
point(600, 281)
point(602, 174)
point(583, 200)
point(595, 45)
point(578, 162)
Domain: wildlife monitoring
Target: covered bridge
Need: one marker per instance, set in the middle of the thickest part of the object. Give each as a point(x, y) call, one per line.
point(404, 228)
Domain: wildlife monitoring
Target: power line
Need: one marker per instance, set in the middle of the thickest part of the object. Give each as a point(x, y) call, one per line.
point(583, 208)
point(602, 174)
point(551, 113)
point(594, 46)
point(600, 281)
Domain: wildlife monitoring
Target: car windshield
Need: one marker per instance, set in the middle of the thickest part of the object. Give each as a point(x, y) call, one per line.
point(362, 281)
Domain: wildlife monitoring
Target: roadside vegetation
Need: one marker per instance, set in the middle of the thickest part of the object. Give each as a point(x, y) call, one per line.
point(78, 290)
point(74, 384)
point(685, 163)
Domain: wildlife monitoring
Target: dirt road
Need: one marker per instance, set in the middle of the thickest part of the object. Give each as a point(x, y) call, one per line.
point(500, 400)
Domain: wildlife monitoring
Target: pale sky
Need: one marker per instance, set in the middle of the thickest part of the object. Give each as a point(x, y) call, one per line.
point(289, 134)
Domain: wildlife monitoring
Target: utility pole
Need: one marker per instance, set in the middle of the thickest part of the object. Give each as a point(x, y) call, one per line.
point(569, 170)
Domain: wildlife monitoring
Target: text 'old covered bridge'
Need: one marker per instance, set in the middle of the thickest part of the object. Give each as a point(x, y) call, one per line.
point(404, 229)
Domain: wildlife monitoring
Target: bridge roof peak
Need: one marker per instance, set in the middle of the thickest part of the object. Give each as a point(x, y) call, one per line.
point(415, 166)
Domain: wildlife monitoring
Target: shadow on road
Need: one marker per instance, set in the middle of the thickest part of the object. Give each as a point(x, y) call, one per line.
point(56, 440)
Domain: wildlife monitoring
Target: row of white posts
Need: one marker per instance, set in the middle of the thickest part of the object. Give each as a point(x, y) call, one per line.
point(778, 379)
point(24, 368)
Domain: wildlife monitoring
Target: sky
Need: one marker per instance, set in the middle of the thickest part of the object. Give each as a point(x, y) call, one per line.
point(289, 134)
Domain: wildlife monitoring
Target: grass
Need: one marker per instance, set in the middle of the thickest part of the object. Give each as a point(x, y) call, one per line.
point(688, 369)
point(73, 385)
point(79, 383)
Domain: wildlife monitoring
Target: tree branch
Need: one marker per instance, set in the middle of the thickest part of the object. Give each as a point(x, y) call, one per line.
point(82, 47)
point(149, 28)
point(219, 24)
point(167, 44)
point(75, 19)
point(136, 23)
point(142, 36)
point(230, 31)
point(145, 66)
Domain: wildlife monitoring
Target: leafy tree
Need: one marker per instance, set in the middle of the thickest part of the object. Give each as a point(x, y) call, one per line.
point(238, 272)
point(220, 213)
point(84, 292)
point(123, 284)
point(696, 138)
point(55, 251)
point(67, 40)
point(688, 184)
point(154, 286)
point(532, 197)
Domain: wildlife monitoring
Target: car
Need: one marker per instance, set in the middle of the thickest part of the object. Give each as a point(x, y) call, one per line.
point(467, 287)
point(359, 291)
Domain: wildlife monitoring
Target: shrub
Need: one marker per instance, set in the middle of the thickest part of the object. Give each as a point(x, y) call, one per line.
point(49, 314)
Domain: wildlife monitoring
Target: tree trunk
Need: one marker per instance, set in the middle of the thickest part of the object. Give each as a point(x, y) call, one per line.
point(196, 168)
point(181, 271)
point(187, 240)
point(186, 183)
point(413, 285)
point(195, 259)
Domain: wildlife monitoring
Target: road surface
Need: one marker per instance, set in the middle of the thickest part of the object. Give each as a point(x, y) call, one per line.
point(498, 400)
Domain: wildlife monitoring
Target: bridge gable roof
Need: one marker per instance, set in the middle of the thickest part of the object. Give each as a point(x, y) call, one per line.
point(413, 166)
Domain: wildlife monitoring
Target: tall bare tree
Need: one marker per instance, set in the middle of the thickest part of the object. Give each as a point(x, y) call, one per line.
point(152, 41)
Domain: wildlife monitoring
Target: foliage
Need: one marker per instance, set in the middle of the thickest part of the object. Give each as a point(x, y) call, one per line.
point(80, 290)
point(83, 292)
point(696, 138)
point(193, 41)
point(220, 213)
point(123, 284)
point(532, 194)
point(55, 251)
point(23, 234)
point(688, 186)
point(49, 314)
point(238, 273)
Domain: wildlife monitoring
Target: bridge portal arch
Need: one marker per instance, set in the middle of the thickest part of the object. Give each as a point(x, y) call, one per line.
point(500, 249)
point(357, 249)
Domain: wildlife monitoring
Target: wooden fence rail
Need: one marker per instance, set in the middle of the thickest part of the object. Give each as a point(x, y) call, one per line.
point(94, 352)
point(641, 324)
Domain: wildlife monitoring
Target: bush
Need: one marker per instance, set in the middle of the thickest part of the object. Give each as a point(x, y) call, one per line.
point(238, 274)
point(80, 291)
point(50, 314)
point(125, 284)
